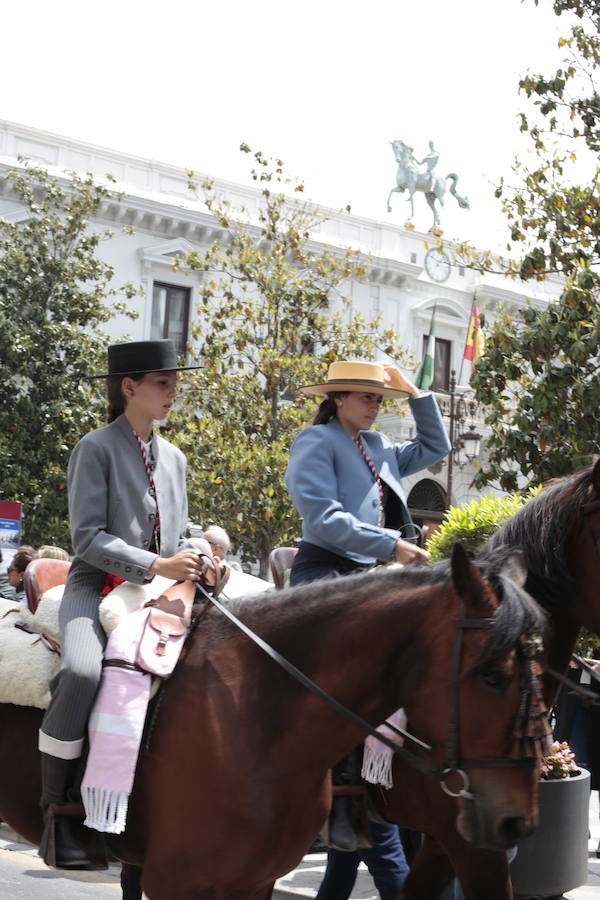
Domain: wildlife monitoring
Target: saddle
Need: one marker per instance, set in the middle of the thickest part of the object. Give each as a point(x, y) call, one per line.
point(30, 654)
point(40, 576)
point(29, 629)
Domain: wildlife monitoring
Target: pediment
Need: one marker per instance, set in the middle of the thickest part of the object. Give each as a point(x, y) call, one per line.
point(446, 311)
point(166, 251)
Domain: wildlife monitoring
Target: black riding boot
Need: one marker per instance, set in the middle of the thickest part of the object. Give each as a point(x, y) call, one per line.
point(348, 828)
point(66, 842)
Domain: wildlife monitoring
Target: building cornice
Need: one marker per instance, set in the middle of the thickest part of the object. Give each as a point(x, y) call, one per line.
point(155, 198)
point(490, 296)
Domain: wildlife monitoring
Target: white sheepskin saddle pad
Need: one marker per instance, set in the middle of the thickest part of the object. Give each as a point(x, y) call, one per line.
point(27, 664)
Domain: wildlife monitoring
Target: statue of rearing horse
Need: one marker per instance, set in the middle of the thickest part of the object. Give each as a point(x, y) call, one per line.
point(409, 178)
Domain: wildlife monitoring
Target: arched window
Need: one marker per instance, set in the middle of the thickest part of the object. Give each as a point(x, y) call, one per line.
point(427, 494)
point(427, 504)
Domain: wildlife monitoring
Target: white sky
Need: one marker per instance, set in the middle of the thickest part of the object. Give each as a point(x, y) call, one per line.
point(324, 85)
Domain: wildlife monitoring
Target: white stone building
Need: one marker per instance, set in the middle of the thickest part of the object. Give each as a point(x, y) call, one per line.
point(406, 277)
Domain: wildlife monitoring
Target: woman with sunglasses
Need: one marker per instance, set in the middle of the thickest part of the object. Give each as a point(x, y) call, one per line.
point(16, 570)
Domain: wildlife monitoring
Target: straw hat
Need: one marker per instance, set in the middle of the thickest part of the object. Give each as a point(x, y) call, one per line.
point(354, 376)
point(139, 357)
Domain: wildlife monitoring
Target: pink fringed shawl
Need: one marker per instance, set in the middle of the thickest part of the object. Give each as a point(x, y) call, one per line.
point(378, 757)
point(117, 720)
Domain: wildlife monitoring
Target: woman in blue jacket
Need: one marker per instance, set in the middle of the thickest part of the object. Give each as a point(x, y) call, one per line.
point(345, 481)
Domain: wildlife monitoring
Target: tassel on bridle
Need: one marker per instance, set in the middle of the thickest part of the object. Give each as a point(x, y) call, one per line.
point(532, 730)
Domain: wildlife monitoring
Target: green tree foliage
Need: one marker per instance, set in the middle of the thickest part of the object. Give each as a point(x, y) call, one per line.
point(539, 381)
point(53, 292)
point(539, 374)
point(271, 318)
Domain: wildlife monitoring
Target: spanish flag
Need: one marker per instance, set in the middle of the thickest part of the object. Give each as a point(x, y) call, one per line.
point(474, 344)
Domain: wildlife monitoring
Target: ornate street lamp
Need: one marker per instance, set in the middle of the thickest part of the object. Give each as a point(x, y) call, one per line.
point(471, 442)
point(465, 443)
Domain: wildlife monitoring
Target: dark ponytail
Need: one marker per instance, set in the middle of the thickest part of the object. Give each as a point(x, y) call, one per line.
point(116, 401)
point(328, 409)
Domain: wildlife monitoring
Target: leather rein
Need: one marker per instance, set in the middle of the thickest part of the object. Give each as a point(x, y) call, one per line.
point(454, 764)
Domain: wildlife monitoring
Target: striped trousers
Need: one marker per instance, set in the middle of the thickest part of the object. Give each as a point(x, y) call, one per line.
point(74, 687)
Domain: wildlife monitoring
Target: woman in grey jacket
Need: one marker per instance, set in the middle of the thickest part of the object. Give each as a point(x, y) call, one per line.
point(128, 512)
point(345, 481)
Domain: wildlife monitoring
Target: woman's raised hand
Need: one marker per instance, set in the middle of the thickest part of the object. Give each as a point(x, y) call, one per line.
point(184, 566)
point(395, 379)
point(407, 553)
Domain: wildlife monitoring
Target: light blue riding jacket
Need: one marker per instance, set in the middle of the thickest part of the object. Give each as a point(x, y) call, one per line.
point(334, 490)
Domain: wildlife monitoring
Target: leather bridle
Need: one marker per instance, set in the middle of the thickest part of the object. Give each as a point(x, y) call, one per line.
point(531, 726)
point(530, 748)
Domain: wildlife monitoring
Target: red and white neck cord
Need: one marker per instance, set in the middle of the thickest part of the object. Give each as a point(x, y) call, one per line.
point(371, 466)
point(148, 468)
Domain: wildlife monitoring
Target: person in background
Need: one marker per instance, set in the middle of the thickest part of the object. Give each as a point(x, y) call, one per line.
point(220, 545)
point(16, 569)
point(218, 539)
point(345, 481)
point(7, 591)
point(49, 551)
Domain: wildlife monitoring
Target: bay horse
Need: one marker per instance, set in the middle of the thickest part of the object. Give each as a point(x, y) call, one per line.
point(559, 535)
point(219, 806)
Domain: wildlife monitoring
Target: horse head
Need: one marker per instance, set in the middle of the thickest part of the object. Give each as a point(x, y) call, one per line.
point(485, 667)
point(402, 152)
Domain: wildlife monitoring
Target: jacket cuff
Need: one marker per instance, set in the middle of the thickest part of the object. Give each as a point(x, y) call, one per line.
point(129, 570)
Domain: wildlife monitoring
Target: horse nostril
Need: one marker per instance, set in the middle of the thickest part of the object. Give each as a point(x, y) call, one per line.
point(514, 828)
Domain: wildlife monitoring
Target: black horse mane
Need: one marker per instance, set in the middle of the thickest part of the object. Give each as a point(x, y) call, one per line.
point(516, 615)
point(540, 529)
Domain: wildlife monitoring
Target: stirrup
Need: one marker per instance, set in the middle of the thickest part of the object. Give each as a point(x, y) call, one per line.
point(67, 844)
point(342, 833)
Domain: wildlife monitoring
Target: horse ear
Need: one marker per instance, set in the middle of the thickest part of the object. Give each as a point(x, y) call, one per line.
point(596, 477)
point(466, 577)
point(514, 568)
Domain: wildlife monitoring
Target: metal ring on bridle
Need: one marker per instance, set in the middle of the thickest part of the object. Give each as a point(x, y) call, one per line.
point(464, 791)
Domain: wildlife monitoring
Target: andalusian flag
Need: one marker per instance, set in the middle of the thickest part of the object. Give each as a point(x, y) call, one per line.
point(474, 344)
point(425, 376)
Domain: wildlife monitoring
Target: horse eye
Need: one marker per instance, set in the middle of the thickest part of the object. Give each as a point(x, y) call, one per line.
point(494, 678)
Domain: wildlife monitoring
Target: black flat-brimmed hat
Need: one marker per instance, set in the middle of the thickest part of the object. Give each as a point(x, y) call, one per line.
point(139, 357)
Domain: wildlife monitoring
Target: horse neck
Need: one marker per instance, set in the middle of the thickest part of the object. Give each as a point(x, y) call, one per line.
point(372, 657)
point(560, 641)
point(567, 615)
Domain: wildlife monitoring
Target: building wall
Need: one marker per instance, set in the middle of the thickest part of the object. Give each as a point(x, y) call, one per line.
point(168, 220)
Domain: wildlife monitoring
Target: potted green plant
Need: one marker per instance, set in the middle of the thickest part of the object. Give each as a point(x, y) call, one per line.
point(554, 858)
